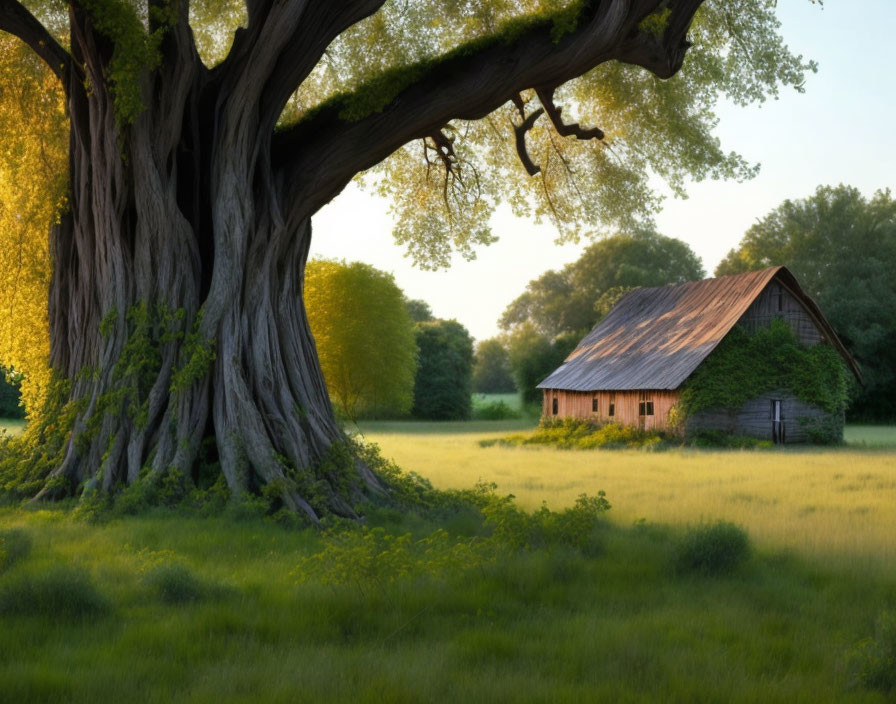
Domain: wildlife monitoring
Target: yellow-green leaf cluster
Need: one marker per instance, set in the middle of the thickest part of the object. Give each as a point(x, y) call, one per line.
point(364, 336)
point(33, 162)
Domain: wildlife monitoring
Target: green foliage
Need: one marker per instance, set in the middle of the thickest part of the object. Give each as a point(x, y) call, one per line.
point(93, 506)
point(872, 662)
point(491, 368)
point(574, 298)
point(135, 50)
point(823, 431)
point(533, 356)
point(364, 336)
point(653, 127)
point(495, 410)
point(377, 91)
point(583, 434)
point(705, 437)
point(419, 311)
point(60, 591)
point(372, 557)
point(842, 249)
point(712, 549)
point(656, 22)
point(198, 355)
point(574, 527)
point(27, 461)
point(15, 545)
point(174, 583)
point(746, 365)
point(443, 385)
point(369, 558)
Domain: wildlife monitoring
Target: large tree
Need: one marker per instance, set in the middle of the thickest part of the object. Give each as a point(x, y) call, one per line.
point(175, 307)
point(842, 247)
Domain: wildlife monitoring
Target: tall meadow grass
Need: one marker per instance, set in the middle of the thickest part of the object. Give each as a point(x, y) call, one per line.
point(830, 504)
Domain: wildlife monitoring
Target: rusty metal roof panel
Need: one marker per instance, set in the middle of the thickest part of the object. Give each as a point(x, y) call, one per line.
point(654, 338)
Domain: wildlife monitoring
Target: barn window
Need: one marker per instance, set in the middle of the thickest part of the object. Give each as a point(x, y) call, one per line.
point(611, 411)
point(778, 299)
point(554, 406)
point(645, 406)
point(594, 405)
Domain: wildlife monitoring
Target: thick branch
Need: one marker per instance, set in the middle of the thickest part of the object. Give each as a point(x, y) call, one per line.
point(318, 156)
point(322, 22)
point(15, 19)
point(292, 36)
point(546, 96)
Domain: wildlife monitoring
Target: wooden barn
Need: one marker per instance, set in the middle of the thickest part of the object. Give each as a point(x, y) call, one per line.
point(630, 368)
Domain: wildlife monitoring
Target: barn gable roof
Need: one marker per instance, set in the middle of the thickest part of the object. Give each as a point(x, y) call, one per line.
point(654, 338)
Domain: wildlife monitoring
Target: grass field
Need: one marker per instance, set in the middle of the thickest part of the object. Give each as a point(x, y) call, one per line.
point(829, 504)
point(236, 608)
point(11, 426)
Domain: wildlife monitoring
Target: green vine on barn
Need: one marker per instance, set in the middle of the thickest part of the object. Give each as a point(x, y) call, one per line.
point(745, 365)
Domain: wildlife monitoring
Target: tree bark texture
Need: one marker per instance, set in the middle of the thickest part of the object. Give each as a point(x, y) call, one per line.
point(176, 308)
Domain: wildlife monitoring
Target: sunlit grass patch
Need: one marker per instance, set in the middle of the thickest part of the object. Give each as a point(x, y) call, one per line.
point(835, 505)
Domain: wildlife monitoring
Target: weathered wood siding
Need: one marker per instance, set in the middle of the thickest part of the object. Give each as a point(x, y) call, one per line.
point(755, 418)
point(777, 302)
point(579, 404)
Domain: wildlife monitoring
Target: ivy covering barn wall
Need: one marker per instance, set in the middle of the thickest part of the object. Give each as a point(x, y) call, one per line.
point(746, 365)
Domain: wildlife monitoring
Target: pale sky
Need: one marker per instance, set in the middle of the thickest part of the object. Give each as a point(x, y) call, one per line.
point(841, 130)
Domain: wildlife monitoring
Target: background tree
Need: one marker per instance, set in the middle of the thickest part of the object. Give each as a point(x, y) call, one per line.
point(365, 338)
point(842, 248)
point(443, 386)
point(491, 368)
point(10, 395)
point(573, 299)
point(419, 311)
point(197, 159)
point(533, 356)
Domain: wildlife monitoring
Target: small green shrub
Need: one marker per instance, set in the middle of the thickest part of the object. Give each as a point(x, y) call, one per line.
point(496, 410)
point(712, 549)
point(583, 434)
point(375, 557)
point(14, 546)
point(93, 506)
point(174, 583)
point(827, 430)
point(719, 438)
point(873, 660)
point(62, 591)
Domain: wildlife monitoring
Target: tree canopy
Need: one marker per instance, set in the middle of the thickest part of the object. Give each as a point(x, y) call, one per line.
point(573, 299)
point(842, 248)
point(204, 136)
point(443, 386)
point(365, 338)
point(491, 368)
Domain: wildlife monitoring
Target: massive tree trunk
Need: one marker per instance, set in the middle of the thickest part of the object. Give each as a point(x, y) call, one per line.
point(176, 301)
point(176, 309)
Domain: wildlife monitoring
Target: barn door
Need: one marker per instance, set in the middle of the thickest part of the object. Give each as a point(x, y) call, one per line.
point(777, 423)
